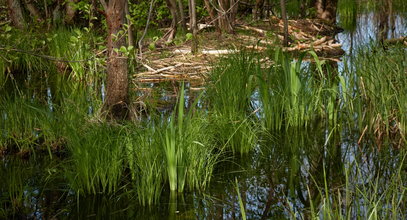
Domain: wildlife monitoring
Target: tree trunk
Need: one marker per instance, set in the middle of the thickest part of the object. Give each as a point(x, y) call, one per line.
point(182, 15)
point(70, 11)
point(258, 9)
point(15, 13)
point(225, 24)
point(326, 10)
point(116, 103)
point(33, 10)
point(210, 9)
point(172, 6)
point(382, 19)
point(284, 17)
point(193, 26)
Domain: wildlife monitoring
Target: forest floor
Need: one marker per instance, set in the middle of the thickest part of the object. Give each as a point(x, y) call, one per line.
point(176, 63)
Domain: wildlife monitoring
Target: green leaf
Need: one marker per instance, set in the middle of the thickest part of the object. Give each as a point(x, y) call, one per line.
point(123, 49)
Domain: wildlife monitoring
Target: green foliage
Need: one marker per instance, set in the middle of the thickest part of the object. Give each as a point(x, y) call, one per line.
point(85, 65)
point(347, 11)
point(146, 163)
point(97, 153)
point(139, 13)
point(381, 97)
point(292, 96)
point(189, 153)
point(229, 99)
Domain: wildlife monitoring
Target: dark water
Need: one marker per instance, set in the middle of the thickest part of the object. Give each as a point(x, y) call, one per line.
point(280, 179)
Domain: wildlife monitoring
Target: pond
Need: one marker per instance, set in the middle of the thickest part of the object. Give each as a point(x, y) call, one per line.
point(328, 170)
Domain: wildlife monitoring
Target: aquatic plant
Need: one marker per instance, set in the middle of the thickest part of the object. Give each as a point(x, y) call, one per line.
point(291, 95)
point(84, 65)
point(189, 153)
point(229, 98)
point(97, 153)
point(347, 11)
point(364, 195)
point(378, 90)
point(146, 162)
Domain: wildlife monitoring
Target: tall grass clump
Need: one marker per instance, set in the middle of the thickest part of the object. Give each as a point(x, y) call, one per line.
point(189, 154)
point(229, 97)
point(25, 125)
point(97, 153)
point(292, 95)
point(146, 163)
point(75, 45)
point(379, 75)
point(365, 195)
point(19, 52)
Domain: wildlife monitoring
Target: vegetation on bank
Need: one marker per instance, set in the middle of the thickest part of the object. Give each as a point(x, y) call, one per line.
point(54, 88)
point(245, 102)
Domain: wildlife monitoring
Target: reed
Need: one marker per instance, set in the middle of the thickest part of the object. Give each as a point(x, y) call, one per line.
point(146, 163)
point(189, 152)
point(229, 98)
point(86, 65)
point(97, 153)
point(364, 195)
point(380, 96)
point(291, 95)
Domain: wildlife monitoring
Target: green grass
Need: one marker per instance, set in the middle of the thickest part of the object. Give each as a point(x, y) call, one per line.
point(229, 98)
point(97, 153)
point(62, 42)
point(146, 163)
point(189, 151)
point(347, 11)
point(380, 99)
point(363, 195)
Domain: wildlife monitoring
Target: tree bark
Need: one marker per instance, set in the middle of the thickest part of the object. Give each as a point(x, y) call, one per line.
point(182, 15)
point(210, 9)
point(258, 9)
point(326, 10)
point(172, 6)
point(33, 10)
point(116, 103)
point(284, 17)
point(383, 20)
point(15, 13)
point(70, 11)
point(225, 24)
point(193, 26)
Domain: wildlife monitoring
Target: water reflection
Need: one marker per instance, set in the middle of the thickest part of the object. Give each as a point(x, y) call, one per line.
point(368, 30)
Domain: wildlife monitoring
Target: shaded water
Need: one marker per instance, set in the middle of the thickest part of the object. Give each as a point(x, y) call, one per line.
point(279, 179)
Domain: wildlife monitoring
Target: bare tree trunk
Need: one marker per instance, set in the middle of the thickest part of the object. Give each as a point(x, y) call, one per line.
point(392, 19)
point(326, 10)
point(382, 21)
point(15, 13)
point(172, 6)
point(182, 15)
point(234, 4)
point(193, 26)
point(258, 9)
point(225, 25)
point(33, 10)
point(116, 103)
point(284, 17)
point(210, 9)
point(70, 11)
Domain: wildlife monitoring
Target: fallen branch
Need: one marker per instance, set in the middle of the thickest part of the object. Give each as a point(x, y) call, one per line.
point(257, 30)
